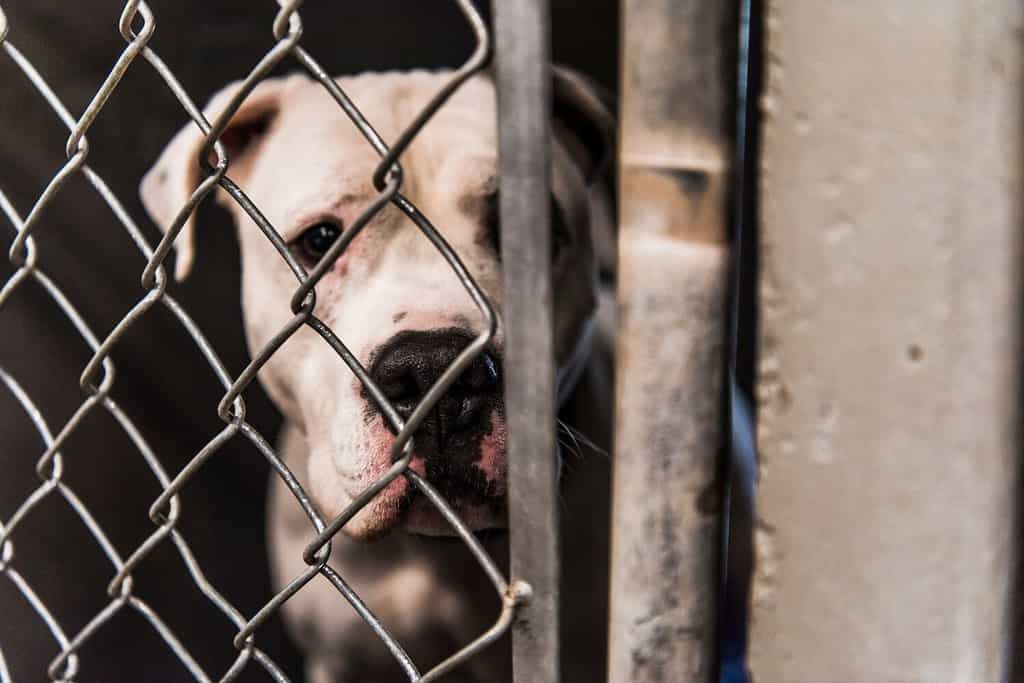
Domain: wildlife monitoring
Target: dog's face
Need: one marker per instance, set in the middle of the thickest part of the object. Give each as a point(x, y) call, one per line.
point(391, 297)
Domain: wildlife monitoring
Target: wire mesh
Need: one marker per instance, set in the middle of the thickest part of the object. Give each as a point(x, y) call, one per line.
point(136, 25)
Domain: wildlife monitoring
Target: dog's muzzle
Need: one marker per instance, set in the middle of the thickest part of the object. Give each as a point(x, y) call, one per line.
point(408, 365)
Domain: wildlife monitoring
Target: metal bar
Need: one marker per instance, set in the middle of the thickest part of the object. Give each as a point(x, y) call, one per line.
point(672, 283)
point(890, 370)
point(522, 34)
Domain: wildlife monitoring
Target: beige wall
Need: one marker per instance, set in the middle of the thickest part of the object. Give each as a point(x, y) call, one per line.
point(892, 309)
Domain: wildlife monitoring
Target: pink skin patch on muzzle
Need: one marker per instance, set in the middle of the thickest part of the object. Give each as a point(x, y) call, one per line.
point(473, 483)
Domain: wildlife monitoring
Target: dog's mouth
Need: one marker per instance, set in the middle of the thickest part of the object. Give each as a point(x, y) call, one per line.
point(473, 486)
point(459, 447)
point(405, 506)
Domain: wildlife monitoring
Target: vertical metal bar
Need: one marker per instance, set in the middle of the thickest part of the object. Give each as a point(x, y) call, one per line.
point(890, 369)
point(521, 42)
point(673, 272)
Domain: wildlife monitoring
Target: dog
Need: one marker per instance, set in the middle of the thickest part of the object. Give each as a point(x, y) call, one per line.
point(397, 305)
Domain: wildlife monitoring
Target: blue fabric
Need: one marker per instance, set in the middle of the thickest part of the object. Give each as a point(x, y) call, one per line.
point(734, 617)
point(733, 671)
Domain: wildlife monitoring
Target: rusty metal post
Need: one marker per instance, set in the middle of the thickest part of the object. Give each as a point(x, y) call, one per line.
point(673, 270)
point(890, 372)
point(523, 71)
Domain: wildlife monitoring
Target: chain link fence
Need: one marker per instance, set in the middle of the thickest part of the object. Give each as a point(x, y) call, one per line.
point(136, 26)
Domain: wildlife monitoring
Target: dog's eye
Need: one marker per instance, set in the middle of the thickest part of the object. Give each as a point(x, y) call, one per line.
point(560, 236)
point(314, 242)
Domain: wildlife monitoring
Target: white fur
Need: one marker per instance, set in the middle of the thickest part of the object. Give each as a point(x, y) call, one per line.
point(313, 164)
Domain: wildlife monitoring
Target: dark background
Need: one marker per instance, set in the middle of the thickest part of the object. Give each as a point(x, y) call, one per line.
point(162, 381)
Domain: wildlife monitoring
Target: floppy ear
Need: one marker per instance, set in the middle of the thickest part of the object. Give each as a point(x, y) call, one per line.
point(582, 120)
point(583, 123)
point(170, 182)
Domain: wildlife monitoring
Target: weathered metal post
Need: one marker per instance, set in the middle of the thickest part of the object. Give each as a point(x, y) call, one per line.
point(673, 269)
point(890, 372)
point(521, 53)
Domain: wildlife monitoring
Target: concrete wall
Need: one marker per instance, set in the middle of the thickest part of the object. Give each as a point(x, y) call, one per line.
point(889, 376)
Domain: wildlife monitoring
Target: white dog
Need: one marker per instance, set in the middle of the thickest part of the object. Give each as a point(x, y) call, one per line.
point(395, 302)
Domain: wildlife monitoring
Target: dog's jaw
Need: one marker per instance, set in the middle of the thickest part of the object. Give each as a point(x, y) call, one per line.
point(401, 505)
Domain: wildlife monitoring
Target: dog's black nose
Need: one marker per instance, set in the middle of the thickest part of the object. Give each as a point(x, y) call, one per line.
point(411, 362)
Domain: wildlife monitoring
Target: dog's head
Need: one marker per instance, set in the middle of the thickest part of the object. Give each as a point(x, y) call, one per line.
point(391, 296)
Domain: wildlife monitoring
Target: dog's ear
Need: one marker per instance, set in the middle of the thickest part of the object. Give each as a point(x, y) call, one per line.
point(582, 120)
point(583, 123)
point(170, 182)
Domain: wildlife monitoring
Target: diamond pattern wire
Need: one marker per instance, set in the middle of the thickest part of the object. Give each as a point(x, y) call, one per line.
point(136, 26)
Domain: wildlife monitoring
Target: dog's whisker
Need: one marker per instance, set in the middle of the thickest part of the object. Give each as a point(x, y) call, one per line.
point(581, 439)
point(573, 448)
point(564, 463)
point(577, 451)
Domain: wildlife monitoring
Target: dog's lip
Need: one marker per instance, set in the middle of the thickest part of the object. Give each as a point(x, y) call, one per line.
point(423, 518)
point(400, 505)
point(485, 534)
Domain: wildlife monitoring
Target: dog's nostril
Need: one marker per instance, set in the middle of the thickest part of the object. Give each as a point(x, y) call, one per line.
point(401, 387)
point(468, 411)
point(482, 375)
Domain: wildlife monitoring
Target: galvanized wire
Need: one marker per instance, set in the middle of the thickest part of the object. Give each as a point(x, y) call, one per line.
point(136, 25)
